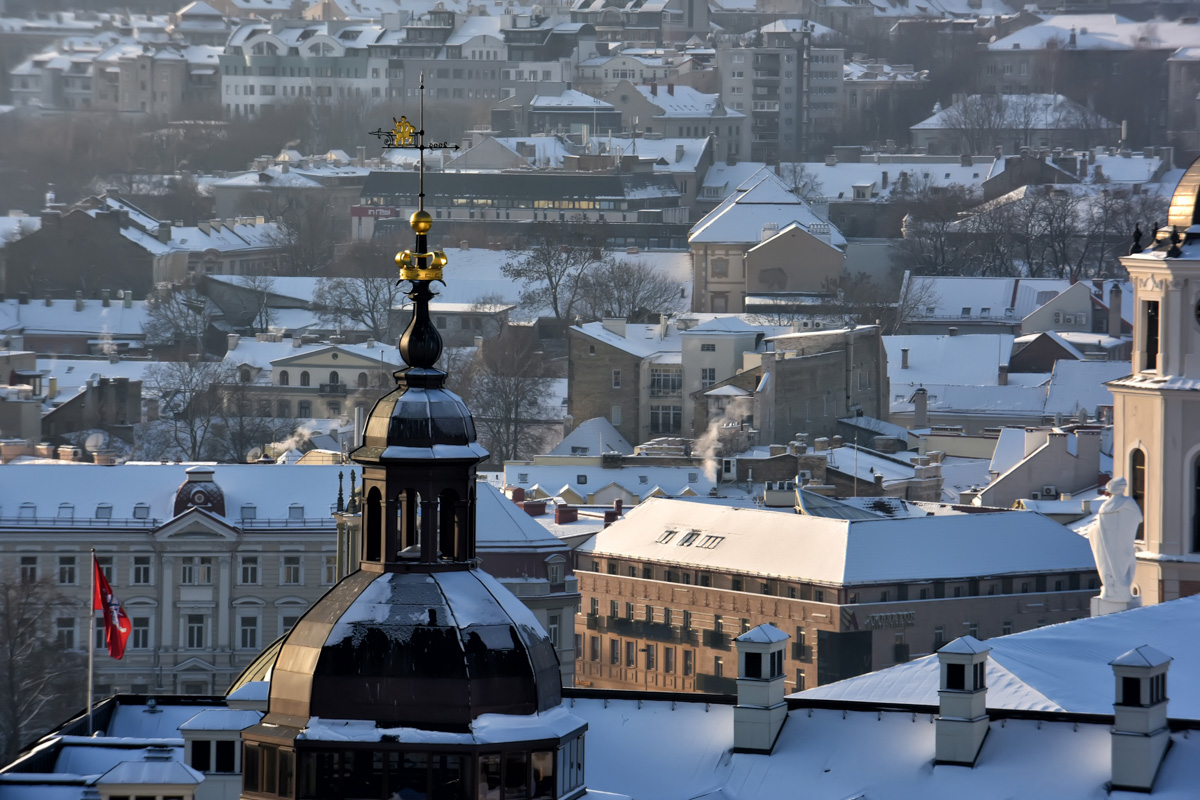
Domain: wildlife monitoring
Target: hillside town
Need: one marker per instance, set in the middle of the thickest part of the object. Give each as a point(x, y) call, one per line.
point(397, 396)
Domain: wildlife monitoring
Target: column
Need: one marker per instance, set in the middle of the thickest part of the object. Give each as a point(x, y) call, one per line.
point(166, 604)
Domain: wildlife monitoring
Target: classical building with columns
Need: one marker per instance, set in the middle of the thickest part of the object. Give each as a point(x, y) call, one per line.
point(1156, 409)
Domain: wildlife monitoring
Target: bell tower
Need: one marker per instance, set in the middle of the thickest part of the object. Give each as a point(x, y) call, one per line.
point(1156, 409)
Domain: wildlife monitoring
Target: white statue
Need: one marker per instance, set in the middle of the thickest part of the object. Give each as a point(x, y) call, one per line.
point(1112, 536)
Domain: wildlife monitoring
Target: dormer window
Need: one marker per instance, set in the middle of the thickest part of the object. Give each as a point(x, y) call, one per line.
point(104, 511)
point(66, 511)
point(249, 512)
point(28, 511)
point(141, 511)
point(296, 511)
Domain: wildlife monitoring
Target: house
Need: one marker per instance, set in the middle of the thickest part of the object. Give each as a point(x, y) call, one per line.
point(762, 209)
point(866, 591)
point(682, 112)
point(1055, 462)
point(979, 123)
point(98, 327)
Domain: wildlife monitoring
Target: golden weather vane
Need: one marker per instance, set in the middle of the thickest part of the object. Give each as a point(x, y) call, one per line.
point(421, 265)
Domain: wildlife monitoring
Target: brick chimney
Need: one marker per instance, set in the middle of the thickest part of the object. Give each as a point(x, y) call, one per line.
point(1114, 310)
point(1139, 734)
point(761, 710)
point(962, 719)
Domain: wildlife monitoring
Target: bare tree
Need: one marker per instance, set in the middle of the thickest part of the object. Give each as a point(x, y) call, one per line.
point(261, 286)
point(801, 180)
point(307, 235)
point(178, 316)
point(931, 244)
point(508, 397)
point(630, 289)
point(366, 300)
point(189, 406)
point(40, 677)
point(551, 271)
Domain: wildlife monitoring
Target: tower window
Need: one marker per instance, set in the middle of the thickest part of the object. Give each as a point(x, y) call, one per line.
point(1150, 320)
point(1137, 485)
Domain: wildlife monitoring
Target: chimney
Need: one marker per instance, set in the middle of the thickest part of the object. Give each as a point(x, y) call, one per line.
point(670, 88)
point(953, 331)
point(678, 153)
point(831, 161)
point(78, 301)
point(516, 494)
point(610, 516)
point(22, 298)
point(619, 506)
point(962, 719)
point(106, 297)
point(128, 297)
point(999, 151)
point(49, 301)
point(920, 400)
point(1139, 733)
point(761, 710)
point(297, 341)
point(653, 89)
point(883, 182)
point(820, 444)
point(563, 514)
point(231, 341)
point(903, 358)
point(835, 441)
point(614, 325)
point(360, 156)
point(1114, 310)
point(966, 160)
point(1002, 378)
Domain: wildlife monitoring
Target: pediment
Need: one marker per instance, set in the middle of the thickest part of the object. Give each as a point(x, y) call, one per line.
point(196, 523)
point(323, 359)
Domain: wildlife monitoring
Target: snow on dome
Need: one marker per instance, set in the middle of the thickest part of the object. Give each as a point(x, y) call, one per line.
point(1144, 656)
point(966, 645)
point(763, 634)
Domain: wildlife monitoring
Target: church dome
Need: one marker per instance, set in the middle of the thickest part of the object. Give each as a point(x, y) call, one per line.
point(419, 415)
point(417, 650)
point(200, 491)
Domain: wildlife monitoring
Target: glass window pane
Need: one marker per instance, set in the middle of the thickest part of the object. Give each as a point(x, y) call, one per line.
point(516, 776)
point(489, 777)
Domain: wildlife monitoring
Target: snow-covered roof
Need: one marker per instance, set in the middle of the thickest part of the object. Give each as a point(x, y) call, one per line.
point(842, 552)
point(62, 318)
point(1080, 385)
point(1099, 32)
point(974, 297)
point(634, 478)
point(763, 634)
point(593, 437)
point(763, 198)
point(509, 529)
point(685, 102)
point(972, 359)
point(172, 773)
point(1062, 667)
point(223, 719)
point(1023, 112)
point(837, 181)
point(569, 98)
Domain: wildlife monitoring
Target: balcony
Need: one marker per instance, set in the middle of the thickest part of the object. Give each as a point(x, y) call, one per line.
point(621, 625)
point(659, 632)
point(801, 652)
point(332, 390)
point(594, 622)
point(714, 685)
point(716, 640)
point(666, 391)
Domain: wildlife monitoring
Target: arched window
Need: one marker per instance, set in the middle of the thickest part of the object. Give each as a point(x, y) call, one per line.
point(362, 380)
point(304, 379)
point(1196, 505)
point(373, 540)
point(333, 377)
point(284, 409)
point(284, 378)
point(1137, 485)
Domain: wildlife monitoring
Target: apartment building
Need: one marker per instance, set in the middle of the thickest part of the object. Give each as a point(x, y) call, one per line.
point(667, 587)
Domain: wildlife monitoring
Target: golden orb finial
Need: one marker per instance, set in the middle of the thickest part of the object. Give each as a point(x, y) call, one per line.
point(421, 221)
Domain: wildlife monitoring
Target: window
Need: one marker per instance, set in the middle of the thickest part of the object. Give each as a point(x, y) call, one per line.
point(141, 570)
point(629, 611)
point(291, 570)
point(708, 376)
point(104, 511)
point(249, 571)
point(593, 648)
point(304, 409)
point(614, 608)
point(305, 380)
point(249, 512)
point(196, 570)
point(283, 377)
point(631, 654)
point(29, 569)
point(719, 269)
point(718, 667)
point(1137, 485)
point(956, 677)
point(594, 607)
point(329, 569)
point(296, 511)
point(614, 651)
point(139, 638)
point(248, 632)
point(689, 658)
point(66, 570)
point(582, 481)
point(287, 622)
point(650, 660)
point(800, 684)
point(616, 415)
point(708, 348)
point(736, 584)
point(64, 628)
point(552, 628)
point(1006, 628)
point(106, 567)
point(939, 637)
point(1150, 318)
point(616, 379)
point(195, 631)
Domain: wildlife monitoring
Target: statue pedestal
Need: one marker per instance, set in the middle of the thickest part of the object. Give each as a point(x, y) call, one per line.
point(1101, 606)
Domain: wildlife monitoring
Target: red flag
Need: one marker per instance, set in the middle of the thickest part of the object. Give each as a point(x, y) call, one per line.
point(116, 624)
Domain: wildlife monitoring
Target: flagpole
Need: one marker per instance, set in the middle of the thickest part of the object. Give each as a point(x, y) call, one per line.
point(91, 643)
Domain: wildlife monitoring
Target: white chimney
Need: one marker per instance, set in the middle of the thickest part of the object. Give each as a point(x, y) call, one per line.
point(962, 720)
point(903, 358)
point(761, 710)
point(231, 341)
point(1139, 733)
point(769, 229)
point(920, 401)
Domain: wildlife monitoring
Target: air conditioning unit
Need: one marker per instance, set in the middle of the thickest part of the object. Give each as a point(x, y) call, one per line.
point(1058, 317)
point(1035, 495)
point(1049, 491)
point(804, 476)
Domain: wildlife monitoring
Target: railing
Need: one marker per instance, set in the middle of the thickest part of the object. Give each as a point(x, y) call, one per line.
point(338, 389)
point(308, 523)
point(714, 685)
point(666, 391)
point(717, 640)
point(80, 522)
point(801, 652)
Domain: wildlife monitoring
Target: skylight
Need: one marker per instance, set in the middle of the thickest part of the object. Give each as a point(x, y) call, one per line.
point(709, 542)
point(688, 538)
point(665, 537)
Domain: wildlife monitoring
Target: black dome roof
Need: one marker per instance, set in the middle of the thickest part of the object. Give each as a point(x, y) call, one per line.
point(419, 415)
point(430, 650)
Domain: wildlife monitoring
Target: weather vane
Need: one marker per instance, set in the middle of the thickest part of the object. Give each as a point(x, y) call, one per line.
point(422, 265)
